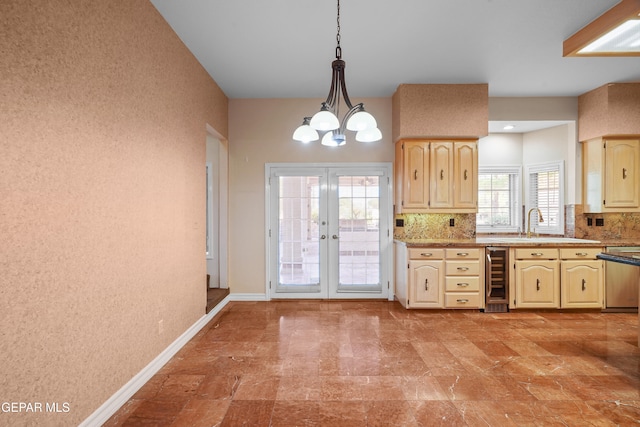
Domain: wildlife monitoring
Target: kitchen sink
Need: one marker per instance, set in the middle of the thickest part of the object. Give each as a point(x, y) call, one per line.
point(534, 240)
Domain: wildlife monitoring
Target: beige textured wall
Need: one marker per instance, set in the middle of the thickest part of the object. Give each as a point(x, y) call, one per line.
point(102, 154)
point(533, 108)
point(440, 110)
point(612, 109)
point(260, 132)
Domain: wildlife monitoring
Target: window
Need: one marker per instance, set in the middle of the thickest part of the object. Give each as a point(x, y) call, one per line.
point(499, 205)
point(546, 192)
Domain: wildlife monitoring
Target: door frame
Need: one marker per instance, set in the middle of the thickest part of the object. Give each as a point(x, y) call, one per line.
point(386, 244)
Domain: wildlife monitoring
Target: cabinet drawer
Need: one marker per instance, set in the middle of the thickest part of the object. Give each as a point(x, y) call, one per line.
point(462, 300)
point(462, 268)
point(462, 284)
point(463, 253)
point(426, 253)
point(579, 253)
point(536, 253)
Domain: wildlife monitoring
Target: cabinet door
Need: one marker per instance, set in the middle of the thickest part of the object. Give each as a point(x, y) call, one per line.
point(537, 284)
point(415, 175)
point(441, 175)
point(622, 162)
point(465, 175)
point(427, 279)
point(582, 284)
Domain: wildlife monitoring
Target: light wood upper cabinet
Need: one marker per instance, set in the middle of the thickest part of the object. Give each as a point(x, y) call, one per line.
point(466, 175)
point(415, 177)
point(622, 158)
point(611, 180)
point(438, 176)
point(441, 175)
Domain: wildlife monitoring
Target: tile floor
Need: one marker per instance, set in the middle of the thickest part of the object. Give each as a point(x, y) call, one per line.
point(305, 363)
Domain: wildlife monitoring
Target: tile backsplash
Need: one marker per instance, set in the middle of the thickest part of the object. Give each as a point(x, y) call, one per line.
point(436, 226)
point(615, 226)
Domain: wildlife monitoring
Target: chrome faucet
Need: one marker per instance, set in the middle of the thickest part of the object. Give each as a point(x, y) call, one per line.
point(540, 219)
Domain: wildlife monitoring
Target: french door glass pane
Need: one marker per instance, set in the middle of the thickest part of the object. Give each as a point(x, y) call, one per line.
point(299, 240)
point(359, 225)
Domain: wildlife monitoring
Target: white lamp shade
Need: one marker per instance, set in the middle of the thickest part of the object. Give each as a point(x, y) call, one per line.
point(369, 135)
point(331, 140)
point(324, 121)
point(305, 134)
point(361, 121)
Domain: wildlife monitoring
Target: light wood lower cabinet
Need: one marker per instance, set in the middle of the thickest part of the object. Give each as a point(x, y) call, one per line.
point(463, 267)
point(558, 278)
point(426, 280)
point(537, 284)
point(439, 278)
point(582, 278)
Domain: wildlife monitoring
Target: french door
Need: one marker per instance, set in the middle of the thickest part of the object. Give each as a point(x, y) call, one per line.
point(329, 231)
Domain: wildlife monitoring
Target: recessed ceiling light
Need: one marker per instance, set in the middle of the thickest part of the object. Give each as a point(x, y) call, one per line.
point(614, 33)
point(509, 127)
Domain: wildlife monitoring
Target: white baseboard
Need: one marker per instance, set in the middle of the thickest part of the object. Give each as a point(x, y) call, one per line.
point(248, 297)
point(115, 402)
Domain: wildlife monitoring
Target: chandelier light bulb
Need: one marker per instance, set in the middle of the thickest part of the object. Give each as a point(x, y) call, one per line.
point(305, 134)
point(361, 121)
point(324, 120)
point(369, 135)
point(333, 140)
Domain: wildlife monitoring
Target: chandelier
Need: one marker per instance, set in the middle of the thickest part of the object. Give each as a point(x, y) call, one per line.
point(326, 120)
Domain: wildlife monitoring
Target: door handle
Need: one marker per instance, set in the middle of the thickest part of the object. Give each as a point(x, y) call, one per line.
point(624, 173)
point(537, 284)
point(335, 237)
point(584, 285)
point(465, 175)
point(441, 174)
point(415, 175)
point(426, 284)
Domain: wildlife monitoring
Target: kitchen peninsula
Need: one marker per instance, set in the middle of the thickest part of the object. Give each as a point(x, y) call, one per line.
point(630, 258)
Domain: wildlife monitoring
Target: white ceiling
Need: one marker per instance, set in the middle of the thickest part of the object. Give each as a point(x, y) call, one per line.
point(284, 48)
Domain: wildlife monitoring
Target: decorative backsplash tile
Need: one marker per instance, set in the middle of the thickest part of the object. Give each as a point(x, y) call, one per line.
point(614, 225)
point(436, 226)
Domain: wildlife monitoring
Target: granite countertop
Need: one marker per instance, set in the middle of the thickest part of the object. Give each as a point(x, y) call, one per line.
point(631, 258)
point(495, 240)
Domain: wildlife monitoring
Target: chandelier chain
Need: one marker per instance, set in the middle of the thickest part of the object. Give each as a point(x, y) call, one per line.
point(338, 48)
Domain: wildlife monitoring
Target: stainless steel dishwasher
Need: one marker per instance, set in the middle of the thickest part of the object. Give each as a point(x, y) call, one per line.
point(622, 283)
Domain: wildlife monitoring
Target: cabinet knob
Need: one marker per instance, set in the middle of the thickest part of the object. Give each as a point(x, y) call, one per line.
point(463, 285)
point(441, 174)
point(465, 175)
point(462, 254)
point(537, 284)
point(584, 285)
point(415, 175)
point(624, 173)
point(581, 254)
point(426, 254)
point(463, 268)
point(426, 284)
point(462, 301)
point(536, 253)
point(324, 236)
